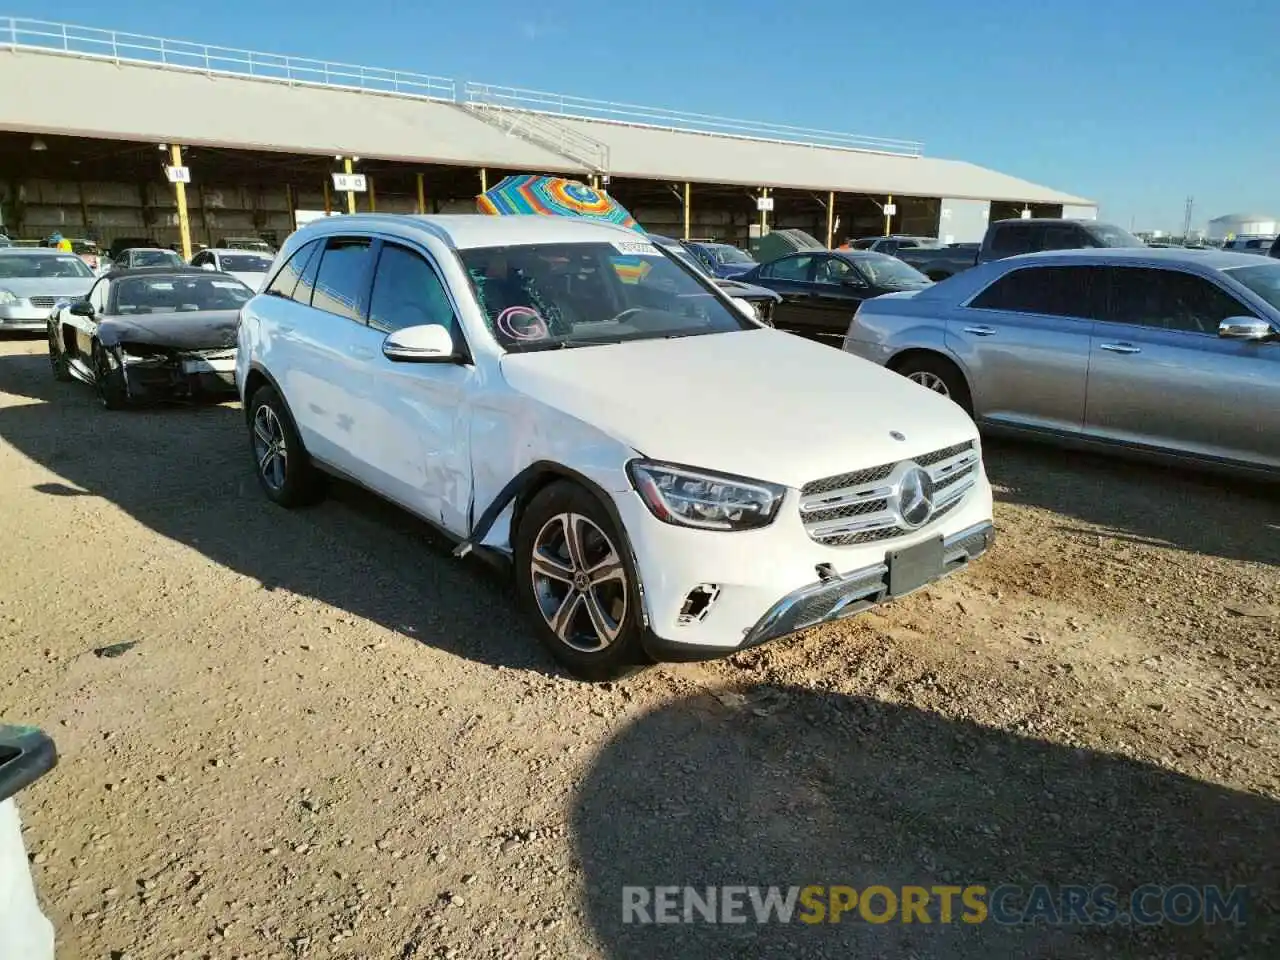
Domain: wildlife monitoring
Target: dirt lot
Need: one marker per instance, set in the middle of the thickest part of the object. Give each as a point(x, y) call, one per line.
point(334, 740)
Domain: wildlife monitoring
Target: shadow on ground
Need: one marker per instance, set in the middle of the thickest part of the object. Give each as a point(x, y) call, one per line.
point(838, 790)
point(186, 473)
point(1202, 512)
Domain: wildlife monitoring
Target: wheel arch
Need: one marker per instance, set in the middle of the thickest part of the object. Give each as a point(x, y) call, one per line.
point(254, 380)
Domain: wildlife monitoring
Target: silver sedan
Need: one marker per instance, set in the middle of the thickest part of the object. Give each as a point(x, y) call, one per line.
point(1170, 353)
point(35, 280)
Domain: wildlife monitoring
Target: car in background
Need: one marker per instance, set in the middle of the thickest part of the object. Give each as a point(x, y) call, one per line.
point(1259, 245)
point(138, 257)
point(247, 266)
point(120, 244)
point(151, 334)
point(1167, 353)
point(761, 300)
point(34, 280)
point(253, 244)
point(893, 243)
point(1010, 238)
point(5, 241)
point(822, 289)
point(720, 259)
point(669, 478)
point(87, 250)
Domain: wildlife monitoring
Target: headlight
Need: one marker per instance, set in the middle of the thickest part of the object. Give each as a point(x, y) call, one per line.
point(7, 297)
point(687, 497)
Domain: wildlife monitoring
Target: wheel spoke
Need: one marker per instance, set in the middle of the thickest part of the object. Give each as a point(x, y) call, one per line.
point(610, 568)
point(268, 455)
point(573, 540)
point(563, 618)
point(604, 628)
point(278, 469)
point(261, 433)
point(550, 567)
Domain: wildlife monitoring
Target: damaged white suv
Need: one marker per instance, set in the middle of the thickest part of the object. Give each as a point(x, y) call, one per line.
point(671, 480)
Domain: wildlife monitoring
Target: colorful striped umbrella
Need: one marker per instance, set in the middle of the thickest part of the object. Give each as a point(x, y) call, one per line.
point(553, 197)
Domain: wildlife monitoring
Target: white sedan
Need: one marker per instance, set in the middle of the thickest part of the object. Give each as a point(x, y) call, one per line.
point(670, 479)
point(247, 266)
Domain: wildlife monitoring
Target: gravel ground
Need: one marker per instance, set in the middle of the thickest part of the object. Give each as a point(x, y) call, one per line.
point(331, 739)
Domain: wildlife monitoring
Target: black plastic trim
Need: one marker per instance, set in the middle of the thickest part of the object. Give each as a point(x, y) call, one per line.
point(26, 755)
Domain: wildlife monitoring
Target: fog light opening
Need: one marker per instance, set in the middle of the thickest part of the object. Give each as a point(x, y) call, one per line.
point(697, 603)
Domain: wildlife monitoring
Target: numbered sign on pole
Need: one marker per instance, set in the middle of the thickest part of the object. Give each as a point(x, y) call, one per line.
point(764, 204)
point(350, 183)
point(890, 209)
point(178, 174)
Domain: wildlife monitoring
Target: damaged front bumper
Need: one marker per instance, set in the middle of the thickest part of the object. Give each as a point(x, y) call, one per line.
point(178, 374)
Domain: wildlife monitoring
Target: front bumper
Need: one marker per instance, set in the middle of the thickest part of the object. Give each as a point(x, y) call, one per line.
point(17, 316)
point(178, 376)
point(766, 583)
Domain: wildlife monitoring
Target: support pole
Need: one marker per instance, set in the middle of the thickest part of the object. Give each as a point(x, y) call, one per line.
point(351, 194)
point(291, 201)
point(373, 198)
point(328, 199)
point(764, 214)
point(688, 207)
point(180, 193)
point(484, 180)
point(831, 219)
point(422, 197)
point(888, 217)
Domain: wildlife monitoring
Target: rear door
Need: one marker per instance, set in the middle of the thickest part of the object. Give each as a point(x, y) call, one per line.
point(1161, 376)
point(1024, 341)
point(838, 290)
point(792, 278)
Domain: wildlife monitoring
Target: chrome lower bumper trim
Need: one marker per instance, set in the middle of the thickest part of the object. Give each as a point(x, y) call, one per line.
point(854, 592)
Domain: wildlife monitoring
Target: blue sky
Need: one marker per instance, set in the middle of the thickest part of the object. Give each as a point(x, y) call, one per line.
point(1135, 103)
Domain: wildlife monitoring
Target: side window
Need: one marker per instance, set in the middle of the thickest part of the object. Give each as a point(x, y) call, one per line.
point(286, 281)
point(789, 268)
point(832, 270)
point(98, 296)
point(199, 259)
point(1170, 300)
point(1012, 239)
point(407, 292)
point(342, 283)
point(1057, 291)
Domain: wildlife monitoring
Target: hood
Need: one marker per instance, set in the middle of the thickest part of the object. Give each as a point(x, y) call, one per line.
point(747, 291)
point(251, 280)
point(758, 403)
point(72, 288)
point(189, 330)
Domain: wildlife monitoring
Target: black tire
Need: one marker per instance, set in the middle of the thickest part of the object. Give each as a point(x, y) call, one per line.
point(288, 478)
point(601, 547)
point(108, 381)
point(57, 357)
point(939, 374)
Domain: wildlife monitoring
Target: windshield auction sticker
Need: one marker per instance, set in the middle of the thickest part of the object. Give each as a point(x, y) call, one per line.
point(636, 248)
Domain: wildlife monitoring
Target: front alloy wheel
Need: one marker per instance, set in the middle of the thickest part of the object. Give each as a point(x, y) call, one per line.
point(270, 448)
point(930, 381)
point(579, 582)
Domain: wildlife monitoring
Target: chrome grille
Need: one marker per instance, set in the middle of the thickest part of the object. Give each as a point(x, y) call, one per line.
point(861, 507)
point(47, 303)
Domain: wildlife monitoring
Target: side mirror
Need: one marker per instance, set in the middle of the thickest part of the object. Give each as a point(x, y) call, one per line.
point(1245, 328)
point(81, 308)
point(426, 343)
point(745, 307)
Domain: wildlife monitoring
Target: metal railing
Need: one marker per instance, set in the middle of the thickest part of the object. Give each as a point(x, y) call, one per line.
point(585, 108)
point(17, 33)
point(492, 105)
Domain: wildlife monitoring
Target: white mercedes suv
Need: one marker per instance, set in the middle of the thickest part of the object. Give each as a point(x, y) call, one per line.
point(670, 479)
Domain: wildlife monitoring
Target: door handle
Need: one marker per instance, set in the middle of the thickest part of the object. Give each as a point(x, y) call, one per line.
point(981, 331)
point(1119, 348)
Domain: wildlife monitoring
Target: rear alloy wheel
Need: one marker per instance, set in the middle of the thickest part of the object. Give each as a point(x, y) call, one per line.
point(939, 375)
point(282, 466)
point(577, 582)
point(108, 381)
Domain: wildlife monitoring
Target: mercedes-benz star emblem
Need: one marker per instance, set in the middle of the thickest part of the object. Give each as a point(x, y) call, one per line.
point(915, 498)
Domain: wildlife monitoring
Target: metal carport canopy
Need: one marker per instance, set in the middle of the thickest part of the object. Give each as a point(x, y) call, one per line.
point(127, 101)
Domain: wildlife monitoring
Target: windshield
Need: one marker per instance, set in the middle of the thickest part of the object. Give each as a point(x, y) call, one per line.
point(1264, 280)
point(179, 294)
point(725, 253)
point(63, 267)
point(1109, 236)
point(235, 244)
point(577, 294)
point(244, 263)
point(892, 273)
point(685, 257)
point(154, 258)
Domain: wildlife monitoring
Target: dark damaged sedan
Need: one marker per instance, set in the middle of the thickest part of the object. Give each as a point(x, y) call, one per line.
point(151, 334)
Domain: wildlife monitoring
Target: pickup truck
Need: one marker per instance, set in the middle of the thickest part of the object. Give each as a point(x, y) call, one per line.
point(1008, 238)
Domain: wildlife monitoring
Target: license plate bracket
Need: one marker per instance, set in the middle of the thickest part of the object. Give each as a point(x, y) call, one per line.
point(912, 567)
